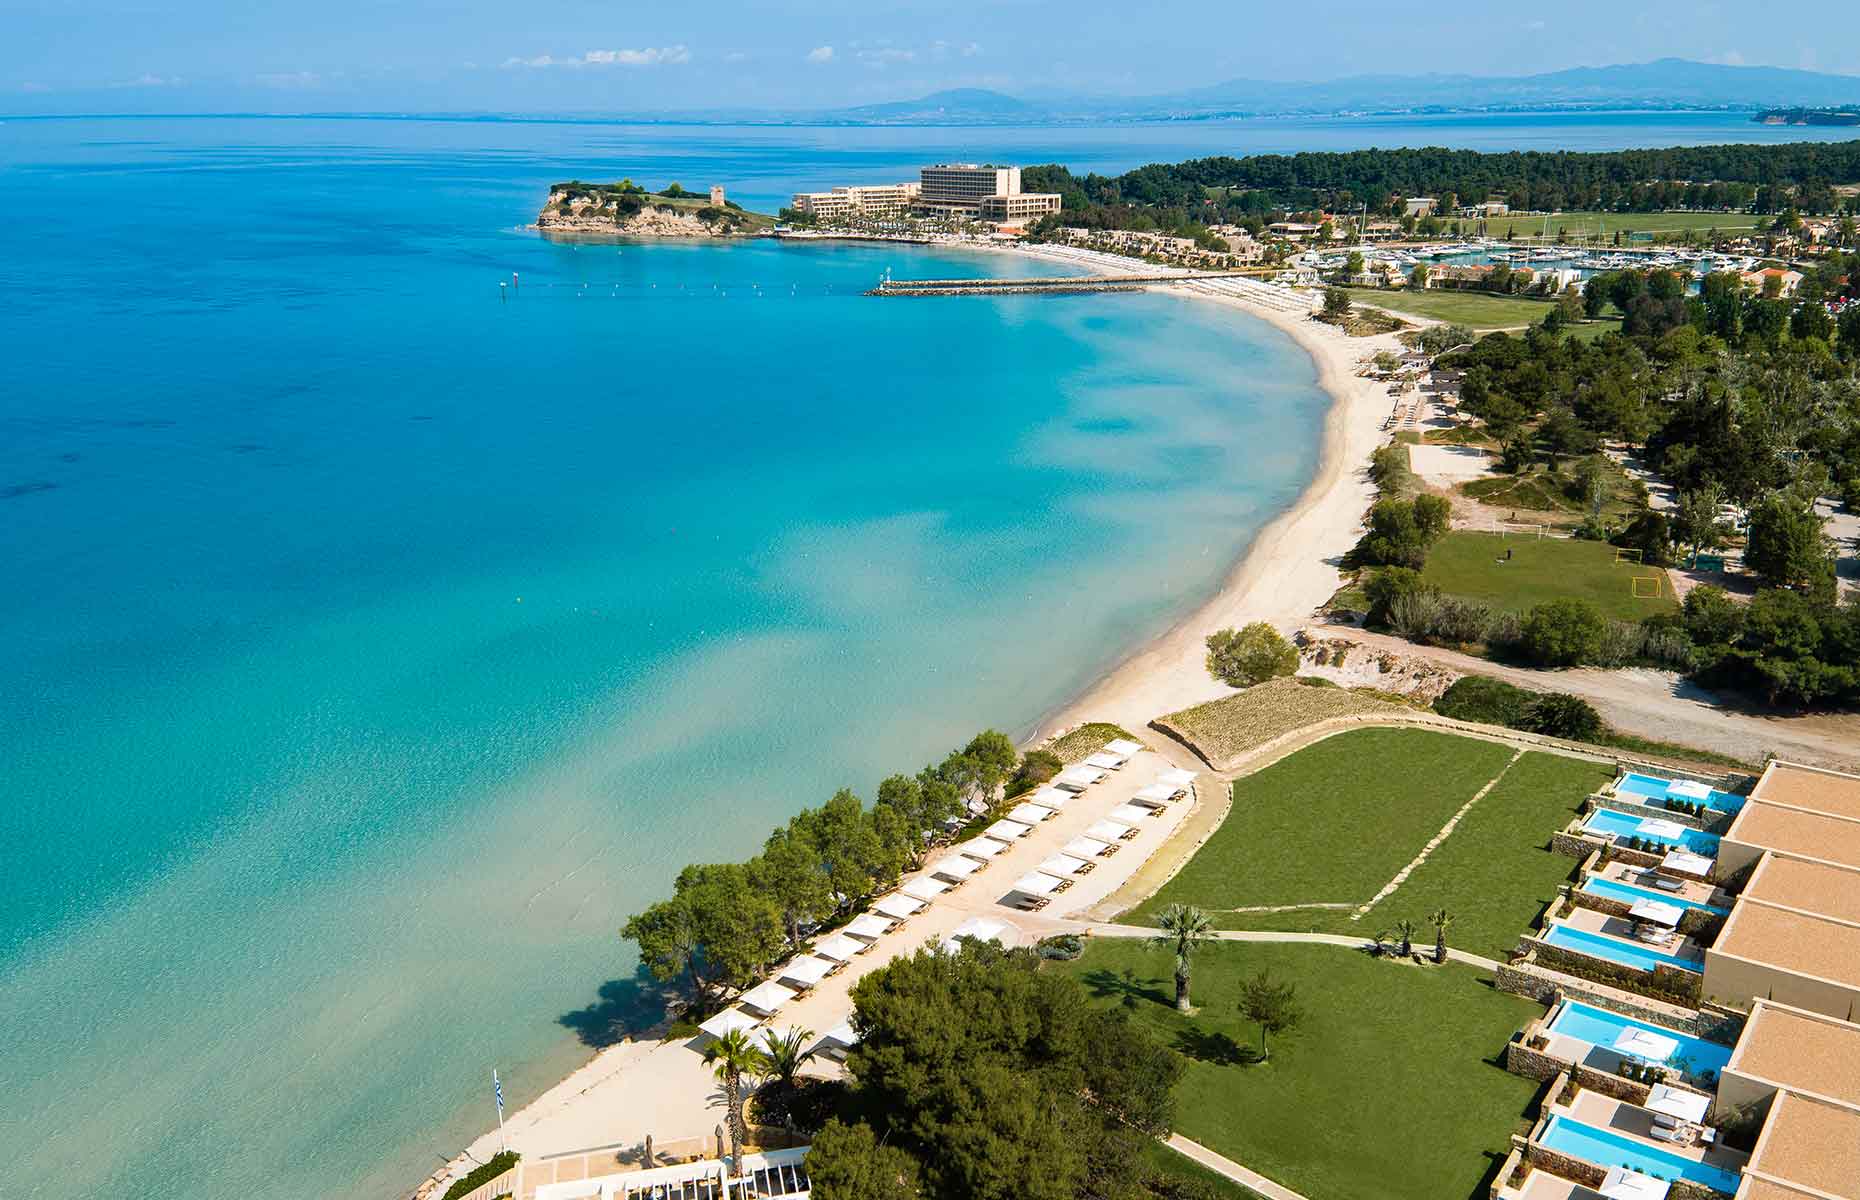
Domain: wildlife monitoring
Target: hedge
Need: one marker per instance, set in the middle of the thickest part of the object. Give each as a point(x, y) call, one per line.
point(482, 1173)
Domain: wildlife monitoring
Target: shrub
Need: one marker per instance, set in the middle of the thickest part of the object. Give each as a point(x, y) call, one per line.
point(484, 1172)
point(1062, 947)
point(1564, 716)
point(1711, 617)
point(1387, 586)
point(1563, 633)
point(1401, 531)
point(1038, 767)
point(1389, 469)
point(1484, 699)
point(1650, 534)
point(1415, 614)
point(1258, 652)
point(1461, 621)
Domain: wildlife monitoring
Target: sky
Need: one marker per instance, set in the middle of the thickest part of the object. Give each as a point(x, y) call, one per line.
point(622, 55)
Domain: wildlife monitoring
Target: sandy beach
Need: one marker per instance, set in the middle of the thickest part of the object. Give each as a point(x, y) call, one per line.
point(1285, 574)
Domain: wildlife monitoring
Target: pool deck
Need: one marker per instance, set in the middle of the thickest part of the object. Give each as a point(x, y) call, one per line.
point(1590, 921)
point(1633, 876)
point(1632, 1121)
point(1542, 1185)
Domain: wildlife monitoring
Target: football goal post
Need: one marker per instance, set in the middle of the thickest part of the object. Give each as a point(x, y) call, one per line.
point(1646, 587)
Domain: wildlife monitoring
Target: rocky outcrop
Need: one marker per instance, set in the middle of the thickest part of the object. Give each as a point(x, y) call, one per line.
point(1349, 663)
point(617, 215)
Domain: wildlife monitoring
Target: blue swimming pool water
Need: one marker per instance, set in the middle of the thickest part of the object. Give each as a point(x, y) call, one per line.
point(1599, 1027)
point(1595, 885)
point(1614, 949)
point(1619, 824)
point(1606, 1148)
point(1653, 788)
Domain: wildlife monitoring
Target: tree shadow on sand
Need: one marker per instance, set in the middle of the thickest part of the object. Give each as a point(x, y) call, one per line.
point(1126, 987)
point(622, 1008)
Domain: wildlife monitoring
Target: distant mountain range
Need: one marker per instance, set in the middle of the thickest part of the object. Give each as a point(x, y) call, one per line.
point(1668, 83)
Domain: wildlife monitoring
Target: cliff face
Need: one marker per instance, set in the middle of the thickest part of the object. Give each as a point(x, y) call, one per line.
point(579, 210)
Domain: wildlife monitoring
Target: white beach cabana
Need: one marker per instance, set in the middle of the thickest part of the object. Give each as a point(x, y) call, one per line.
point(1109, 832)
point(897, 906)
point(1050, 797)
point(805, 971)
point(1125, 747)
point(1646, 1045)
point(956, 868)
point(1176, 777)
point(841, 948)
point(1029, 814)
point(842, 1035)
point(1657, 912)
point(1037, 886)
point(1108, 760)
point(1657, 828)
point(1085, 847)
point(1078, 778)
point(766, 998)
point(1064, 864)
point(1684, 862)
point(869, 926)
point(1678, 1103)
point(1156, 795)
point(1623, 1184)
point(982, 929)
point(924, 888)
point(1006, 831)
point(728, 1020)
point(1689, 789)
point(1129, 814)
point(981, 849)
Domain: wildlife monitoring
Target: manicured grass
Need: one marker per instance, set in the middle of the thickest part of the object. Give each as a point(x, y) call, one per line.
point(1469, 565)
point(1332, 823)
point(1387, 1090)
point(1475, 310)
point(1606, 224)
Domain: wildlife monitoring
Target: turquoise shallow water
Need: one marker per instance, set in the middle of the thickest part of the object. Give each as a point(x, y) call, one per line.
point(373, 646)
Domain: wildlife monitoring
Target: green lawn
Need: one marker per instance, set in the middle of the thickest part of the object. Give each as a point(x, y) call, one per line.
point(1332, 823)
point(1388, 1090)
point(1475, 310)
point(1165, 1161)
point(1606, 224)
point(1469, 565)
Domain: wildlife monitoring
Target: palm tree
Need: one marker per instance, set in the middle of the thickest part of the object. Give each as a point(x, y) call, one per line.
point(1404, 929)
point(732, 1057)
point(1441, 918)
point(1183, 927)
point(786, 1053)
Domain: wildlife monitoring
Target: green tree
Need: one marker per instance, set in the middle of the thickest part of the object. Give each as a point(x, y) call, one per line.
point(995, 758)
point(1253, 654)
point(1564, 632)
point(1271, 1005)
point(718, 928)
point(1388, 587)
point(1336, 303)
point(1787, 547)
point(789, 874)
point(1441, 920)
point(1401, 531)
point(1417, 278)
point(1184, 927)
point(1036, 767)
point(733, 1058)
point(785, 1053)
point(1557, 714)
point(1711, 617)
point(848, 1162)
point(1695, 521)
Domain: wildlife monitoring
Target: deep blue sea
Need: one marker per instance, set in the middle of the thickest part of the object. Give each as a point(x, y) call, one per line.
point(375, 638)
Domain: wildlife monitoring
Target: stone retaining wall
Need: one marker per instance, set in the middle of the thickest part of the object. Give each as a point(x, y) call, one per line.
point(1563, 1166)
point(1541, 983)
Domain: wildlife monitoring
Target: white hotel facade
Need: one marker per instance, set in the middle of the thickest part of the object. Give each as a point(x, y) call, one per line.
point(983, 192)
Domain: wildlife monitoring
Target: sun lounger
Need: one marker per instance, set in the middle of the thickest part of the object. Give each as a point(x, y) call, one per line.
point(1078, 778)
point(1029, 814)
point(840, 948)
point(1110, 832)
point(1063, 865)
point(1130, 814)
point(1106, 760)
point(956, 868)
point(981, 849)
point(924, 888)
point(1050, 797)
point(897, 906)
point(1007, 831)
point(1157, 795)
point(1087, 848)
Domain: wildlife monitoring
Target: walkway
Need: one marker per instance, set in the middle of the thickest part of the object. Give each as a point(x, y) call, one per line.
point(1345, 941)
point(1220, 1164)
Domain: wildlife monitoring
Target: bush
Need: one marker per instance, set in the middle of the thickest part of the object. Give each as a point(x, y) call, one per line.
point(1061, 947)
point(1486, 700)
point(1038, 767)
point(1415, 614)
point(484, 1172)
point(1390, 471)
point(1387, 586)
point(1711, 617)
point(1563, 716)
point(1402, 531)
point(1563, 633)
point(1241, 658)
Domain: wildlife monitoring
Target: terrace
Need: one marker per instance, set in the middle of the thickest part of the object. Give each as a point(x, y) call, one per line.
point(1593, 1037)
point(1654, 791)
point(1627, 830)
point(1581, 1127)
point(1627, 942)
point(1630, 883)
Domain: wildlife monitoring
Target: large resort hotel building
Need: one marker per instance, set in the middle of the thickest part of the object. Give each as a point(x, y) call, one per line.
point(985, 193)
point(1794, 935)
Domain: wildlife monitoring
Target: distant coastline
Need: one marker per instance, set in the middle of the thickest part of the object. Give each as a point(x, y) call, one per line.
point(1809, 116)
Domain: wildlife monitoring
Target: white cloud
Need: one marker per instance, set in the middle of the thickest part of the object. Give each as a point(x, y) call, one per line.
point(649, 56)
point(146, 80)
point(820, 54)
point(1534, 26)
point(884, 56)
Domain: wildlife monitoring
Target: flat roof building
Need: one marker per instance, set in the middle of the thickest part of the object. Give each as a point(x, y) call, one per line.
point(1808, 1150)
point(1806, 1067)
point(1804, 812)
point(1018, 207)
point(961, 187)
point(870, 200)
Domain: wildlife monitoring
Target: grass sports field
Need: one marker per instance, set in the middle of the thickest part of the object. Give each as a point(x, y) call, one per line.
point(1387, 1088)
point(1470, 565)
point(1307, 838)
point(1475, 310)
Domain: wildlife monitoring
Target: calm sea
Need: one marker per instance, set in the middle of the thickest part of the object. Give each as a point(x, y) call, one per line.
point(375, 637)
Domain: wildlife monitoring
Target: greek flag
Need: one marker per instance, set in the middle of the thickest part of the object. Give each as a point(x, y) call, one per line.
point(497, 1090)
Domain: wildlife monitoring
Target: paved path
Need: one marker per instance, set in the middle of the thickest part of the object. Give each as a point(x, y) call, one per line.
point(1222, 1165)
point(1346, 941)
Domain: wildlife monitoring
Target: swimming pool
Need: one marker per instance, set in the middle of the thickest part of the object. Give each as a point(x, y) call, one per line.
point(1652, 789)
point(1609, 823)
point(1630, 954)
point(1599, 1027)
point(1606, 1148)
point(1627, 893)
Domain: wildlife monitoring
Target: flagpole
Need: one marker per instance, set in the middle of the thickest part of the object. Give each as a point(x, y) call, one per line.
point(497, 1092)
